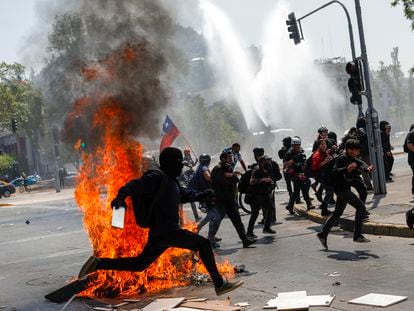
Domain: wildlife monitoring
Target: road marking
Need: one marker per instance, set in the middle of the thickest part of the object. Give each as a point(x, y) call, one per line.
point(35, 238)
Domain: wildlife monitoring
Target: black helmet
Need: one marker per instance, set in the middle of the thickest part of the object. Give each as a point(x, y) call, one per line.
point(258, 151)
point(204, 159)
point(225, 154)
point(322, 129)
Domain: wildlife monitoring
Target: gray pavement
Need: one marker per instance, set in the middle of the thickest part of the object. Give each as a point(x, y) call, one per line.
point(39, 257)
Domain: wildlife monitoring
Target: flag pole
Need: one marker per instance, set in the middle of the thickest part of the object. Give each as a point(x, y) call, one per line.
point(186, 141)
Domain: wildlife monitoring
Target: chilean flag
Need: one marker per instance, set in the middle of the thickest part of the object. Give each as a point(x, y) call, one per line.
point(170, 133)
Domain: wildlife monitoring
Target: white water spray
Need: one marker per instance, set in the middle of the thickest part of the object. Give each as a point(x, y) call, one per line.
point(288, 91)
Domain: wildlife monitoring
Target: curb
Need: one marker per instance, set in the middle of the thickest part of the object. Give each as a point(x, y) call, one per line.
point(368, 227)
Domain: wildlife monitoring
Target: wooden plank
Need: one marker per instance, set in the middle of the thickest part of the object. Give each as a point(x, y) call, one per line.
point(212, 305)
point(163, 304)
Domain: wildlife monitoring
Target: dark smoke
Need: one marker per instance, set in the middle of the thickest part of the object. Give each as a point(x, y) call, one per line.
point(118, 50)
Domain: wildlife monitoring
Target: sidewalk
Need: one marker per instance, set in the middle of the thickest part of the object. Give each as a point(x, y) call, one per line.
point(387, 211)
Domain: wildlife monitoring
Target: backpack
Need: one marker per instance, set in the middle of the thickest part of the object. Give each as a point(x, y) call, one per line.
point(405, 146)
point(244, 183)
point(308, 167)
point(143, 210)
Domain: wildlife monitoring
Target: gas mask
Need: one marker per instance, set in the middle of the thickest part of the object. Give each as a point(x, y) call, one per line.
point(171, 161)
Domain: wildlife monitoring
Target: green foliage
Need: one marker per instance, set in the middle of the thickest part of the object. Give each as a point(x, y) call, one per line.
point(408, 9)
point(208, 128)
point(19, 100)
point(6, 162)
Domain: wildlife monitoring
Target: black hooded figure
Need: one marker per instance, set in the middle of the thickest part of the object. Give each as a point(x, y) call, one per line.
point(385, 129)
point(164, 228)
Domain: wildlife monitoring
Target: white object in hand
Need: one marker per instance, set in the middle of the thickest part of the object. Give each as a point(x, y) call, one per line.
point(118, 216)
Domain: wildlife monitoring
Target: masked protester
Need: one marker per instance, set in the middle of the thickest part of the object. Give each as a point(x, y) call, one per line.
point(262, 184)
point(385, 128)
point(341, 180)
point(286, 145)
point(164, 229)
point(224, 181)
point(294, 164)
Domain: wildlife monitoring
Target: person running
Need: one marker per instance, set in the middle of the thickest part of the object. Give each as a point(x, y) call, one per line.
point(340, 178)
point(294, 164)
point(164, 230)
point(409, 148)
point(320, 159)
point(262, 184)
point(223, 182)
point(286, 145)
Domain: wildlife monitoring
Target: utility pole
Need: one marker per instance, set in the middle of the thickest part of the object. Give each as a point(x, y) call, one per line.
point(374, 138)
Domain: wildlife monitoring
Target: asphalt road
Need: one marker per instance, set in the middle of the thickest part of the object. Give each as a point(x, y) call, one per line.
point(38, 257)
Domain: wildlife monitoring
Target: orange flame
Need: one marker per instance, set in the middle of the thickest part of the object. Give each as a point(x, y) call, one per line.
point(104, 171)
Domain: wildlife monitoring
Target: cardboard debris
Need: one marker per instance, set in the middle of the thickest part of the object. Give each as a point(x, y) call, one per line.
point(183, 309)
point(121, 304)
point(211, 305)
point(378, 300)
point(289, 301)
point(102, 309)
point(163, 304)
point(320, 300)
point(298, 301)
point(195, 299)
point(131, 300)
point(242, 304)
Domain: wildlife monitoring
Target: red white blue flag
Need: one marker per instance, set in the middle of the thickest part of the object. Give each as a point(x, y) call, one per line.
point(170, 133)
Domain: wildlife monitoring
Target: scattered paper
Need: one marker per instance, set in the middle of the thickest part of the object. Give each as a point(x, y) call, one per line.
point(118, 216)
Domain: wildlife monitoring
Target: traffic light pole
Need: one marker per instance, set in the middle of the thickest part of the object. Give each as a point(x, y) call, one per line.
point(373, 133)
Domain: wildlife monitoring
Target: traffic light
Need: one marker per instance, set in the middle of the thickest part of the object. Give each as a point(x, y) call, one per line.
point(14, 125)
point(293, 28)
point(83, 145)
point(355, 82)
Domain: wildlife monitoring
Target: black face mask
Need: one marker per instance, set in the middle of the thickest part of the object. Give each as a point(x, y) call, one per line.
point(171, 162)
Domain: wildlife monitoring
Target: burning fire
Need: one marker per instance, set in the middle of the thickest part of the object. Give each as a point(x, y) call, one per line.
point(105, 169)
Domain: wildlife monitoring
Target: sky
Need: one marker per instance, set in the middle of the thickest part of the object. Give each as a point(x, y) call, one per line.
point(326, 31)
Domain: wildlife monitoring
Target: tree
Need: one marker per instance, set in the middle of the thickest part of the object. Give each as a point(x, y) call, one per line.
point(408, 9)
point(6, 162)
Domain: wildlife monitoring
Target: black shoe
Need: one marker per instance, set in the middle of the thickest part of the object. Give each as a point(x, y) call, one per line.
point(216, 239)
point(389, 180)
point(298, 202)
point(89, 266)
point(261, 222)
point(361, 239)
point(409, 218)
point(323, 240)
point(247, 242)
point(228, 287)
point(326, 212)
point(251, 236)
point(215, 245)
point(269, 231)
point(309, 207)
point(291, 211)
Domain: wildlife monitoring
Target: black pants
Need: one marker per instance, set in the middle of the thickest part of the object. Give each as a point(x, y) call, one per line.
point(288, 180)
point(342, 199)
point(227, 207)
point(361, 188)
point(298, 186)
point(264, 203)
point(412, 178)
point(156, 245)
point(388, 164)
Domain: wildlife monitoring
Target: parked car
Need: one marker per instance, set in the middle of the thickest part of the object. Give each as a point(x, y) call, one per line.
point(6, 189)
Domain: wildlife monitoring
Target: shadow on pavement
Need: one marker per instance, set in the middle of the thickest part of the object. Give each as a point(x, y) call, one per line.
point(351, 256)
point(266, 240)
